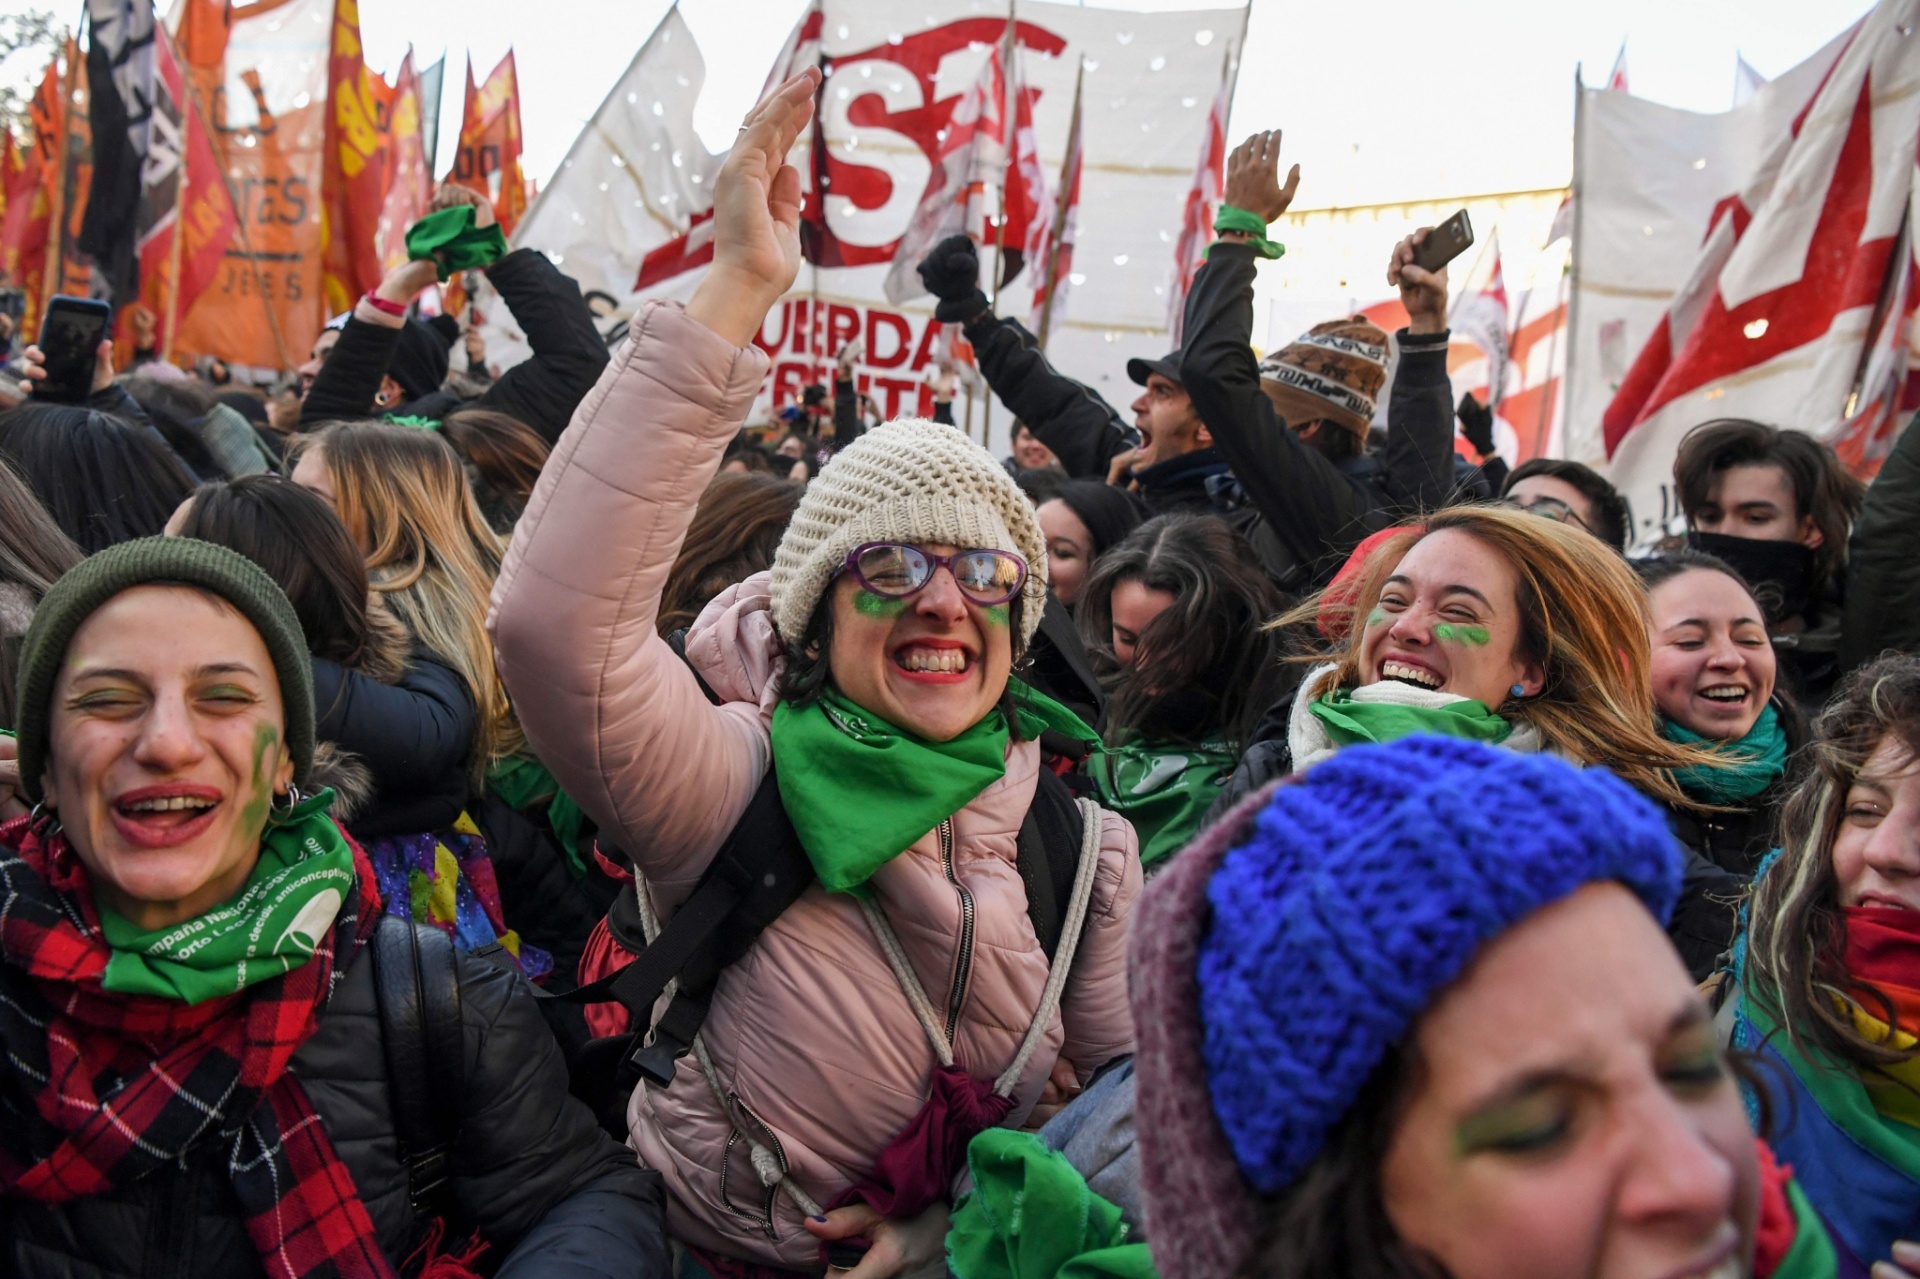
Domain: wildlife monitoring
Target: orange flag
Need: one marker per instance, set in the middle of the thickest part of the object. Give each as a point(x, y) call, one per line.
point(25, 228)
point(69, 270)
point(356, 165)
point(259, 76)
point(489, 157)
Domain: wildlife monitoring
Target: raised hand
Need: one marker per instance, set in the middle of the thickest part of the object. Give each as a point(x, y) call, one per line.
point(451, 195)
point(1253, 177)
point(756, 216)
point(1422, 292)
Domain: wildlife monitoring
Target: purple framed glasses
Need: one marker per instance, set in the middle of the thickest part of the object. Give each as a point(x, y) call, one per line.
point(896, 570)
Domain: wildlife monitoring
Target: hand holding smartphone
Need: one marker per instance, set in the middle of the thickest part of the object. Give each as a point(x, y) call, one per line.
point(1444, 243)
point(70, 338)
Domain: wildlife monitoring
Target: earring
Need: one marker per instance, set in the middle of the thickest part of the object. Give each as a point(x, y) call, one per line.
point(277, 812)
point(1518, 690)
point(44, 821)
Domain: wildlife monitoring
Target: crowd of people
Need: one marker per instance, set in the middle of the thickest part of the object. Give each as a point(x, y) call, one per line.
point(525, 825)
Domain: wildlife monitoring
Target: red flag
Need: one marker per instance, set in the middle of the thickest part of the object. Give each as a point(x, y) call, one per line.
point(1203, 198)
point(489, 157)
point(1029, 199)
point(681, 254)
point(28, 222)
point(1617, 80)
point(972, 153)
point(355, 174)
point(409, 184)
point(1056, 266)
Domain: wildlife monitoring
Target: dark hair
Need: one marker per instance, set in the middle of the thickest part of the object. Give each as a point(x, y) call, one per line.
point(503, 457)
point(1336, 443)
point(749, 452)
point(303, 546)
point(1612, 517)
point(1108, 511)
point(734, 533)
point(1795, 961)
point(1822, 489)
point(1040, 483)
point(248, 404)
point(102, 480)
point(1207, 666)
point(33, 555)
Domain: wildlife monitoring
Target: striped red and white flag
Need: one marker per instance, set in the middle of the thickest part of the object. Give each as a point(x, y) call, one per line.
point(1203, 199)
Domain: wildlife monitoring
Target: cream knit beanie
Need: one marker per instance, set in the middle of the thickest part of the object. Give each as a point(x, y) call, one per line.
point(909, 480)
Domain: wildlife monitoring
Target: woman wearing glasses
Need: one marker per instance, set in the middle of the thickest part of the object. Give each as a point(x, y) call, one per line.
point(888, 1011)
point(1572, 494)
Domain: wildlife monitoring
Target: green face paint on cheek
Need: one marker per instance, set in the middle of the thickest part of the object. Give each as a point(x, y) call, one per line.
point(1376, 617)
point(999, 614)
point(1452, 633)
point(254, 816)
point(870, 605)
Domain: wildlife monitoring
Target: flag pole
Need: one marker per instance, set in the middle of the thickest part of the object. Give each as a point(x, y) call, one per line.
point(1060, 211)
point(1571, 276)
point(54, 273)
point(1008, 143)
point(179, 202)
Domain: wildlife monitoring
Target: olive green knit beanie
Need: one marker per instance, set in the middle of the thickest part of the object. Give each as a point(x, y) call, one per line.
point(160, 561)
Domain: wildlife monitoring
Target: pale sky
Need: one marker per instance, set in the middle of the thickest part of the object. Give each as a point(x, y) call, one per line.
point(1381, 99)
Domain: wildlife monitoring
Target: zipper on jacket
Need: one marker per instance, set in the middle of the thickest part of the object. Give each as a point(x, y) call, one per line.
point(963, 962)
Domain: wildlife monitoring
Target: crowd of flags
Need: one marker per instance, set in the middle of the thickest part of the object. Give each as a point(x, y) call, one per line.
point(240, 226)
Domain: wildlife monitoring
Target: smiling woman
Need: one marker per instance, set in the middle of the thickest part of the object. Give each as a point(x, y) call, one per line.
point(185, 954)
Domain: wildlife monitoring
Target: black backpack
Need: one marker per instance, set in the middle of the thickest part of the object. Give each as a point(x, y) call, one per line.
point(757, 874)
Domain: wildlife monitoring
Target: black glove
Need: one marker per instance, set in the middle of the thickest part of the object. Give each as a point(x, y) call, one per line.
point(1476, 423)
point(952, 273)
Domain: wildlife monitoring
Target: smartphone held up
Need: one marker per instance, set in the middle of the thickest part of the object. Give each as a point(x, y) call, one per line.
point(1444, 243)
point(70, 337)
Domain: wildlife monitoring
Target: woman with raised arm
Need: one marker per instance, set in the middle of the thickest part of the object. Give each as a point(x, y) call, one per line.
point(906, 998)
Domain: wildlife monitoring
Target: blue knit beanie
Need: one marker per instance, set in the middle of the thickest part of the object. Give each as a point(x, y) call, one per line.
point(1363, 889)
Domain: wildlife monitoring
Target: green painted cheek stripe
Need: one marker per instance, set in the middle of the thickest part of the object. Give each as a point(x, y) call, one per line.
point(1449, 633)
point(999, 614)
point(873, 605)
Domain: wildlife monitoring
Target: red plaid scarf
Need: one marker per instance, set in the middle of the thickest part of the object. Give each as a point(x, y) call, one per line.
point(215, 1073)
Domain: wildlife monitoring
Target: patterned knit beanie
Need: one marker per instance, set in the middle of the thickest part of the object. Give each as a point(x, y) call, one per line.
point(1361, 891)
point(1332, 371)
point(909, 480)
point(167, 561)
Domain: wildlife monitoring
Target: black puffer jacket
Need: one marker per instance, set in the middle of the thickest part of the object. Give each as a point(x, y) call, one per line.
point(568, 354)
point(413, 735)
point(553, 1195)
point(1724, 848)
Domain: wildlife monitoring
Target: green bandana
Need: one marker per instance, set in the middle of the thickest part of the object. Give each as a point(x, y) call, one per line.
point(1349, 721)
point(1163, 790)
point(296, 890)
point(1030, 1215)
point(408, 419)
point(1250, 224)
point(1754, 763)
point(450, 238)
point(861, 791)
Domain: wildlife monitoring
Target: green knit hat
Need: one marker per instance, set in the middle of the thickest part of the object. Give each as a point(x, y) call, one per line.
point(155, 561)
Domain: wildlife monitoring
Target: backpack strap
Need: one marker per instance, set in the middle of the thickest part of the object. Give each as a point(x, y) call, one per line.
point(1047, 853)
point(417, 987)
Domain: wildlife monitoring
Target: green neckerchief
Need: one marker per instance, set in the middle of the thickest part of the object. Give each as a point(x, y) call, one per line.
point(1030, 1215)
point(1348, 721)
point(861, 791)
point(1252, 225)
point(1754, 763)
point(528, 788)
point(270, 927)
point(453, 242)
point(1164, 790)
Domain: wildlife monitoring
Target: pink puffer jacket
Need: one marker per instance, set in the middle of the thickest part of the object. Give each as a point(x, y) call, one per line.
point(816, 1046)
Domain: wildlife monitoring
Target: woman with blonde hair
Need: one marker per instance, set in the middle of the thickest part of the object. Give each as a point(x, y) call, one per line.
point(1492, 625)
point(431, 557)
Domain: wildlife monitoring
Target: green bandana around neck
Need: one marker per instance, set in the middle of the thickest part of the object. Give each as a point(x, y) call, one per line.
point(860, 791)
point(1348, 721)
point(454, 243)
point(1754, 763)
point(290, 901)
point(1164, 789)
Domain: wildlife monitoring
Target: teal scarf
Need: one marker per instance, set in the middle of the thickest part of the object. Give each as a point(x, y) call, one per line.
point(288, 904)
point(860, 791)
point(1754, 763)
point(1348, 721)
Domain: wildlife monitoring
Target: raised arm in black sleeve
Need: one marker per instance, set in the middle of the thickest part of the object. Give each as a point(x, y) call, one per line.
point(849, 423)
point(568, 351)
point(1882, 609)
point(1419, 455)
point(1069, 417)
point(1317, 511)
point(348, 381)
